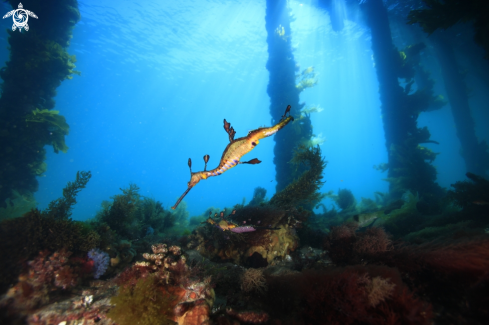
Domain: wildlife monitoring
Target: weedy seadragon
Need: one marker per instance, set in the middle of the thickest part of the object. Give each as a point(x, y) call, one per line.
point(234, 151)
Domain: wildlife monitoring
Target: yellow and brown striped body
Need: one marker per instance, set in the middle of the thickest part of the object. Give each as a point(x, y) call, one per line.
point(233, 153)
point(240, 147)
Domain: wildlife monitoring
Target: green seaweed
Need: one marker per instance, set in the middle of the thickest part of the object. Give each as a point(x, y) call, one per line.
point(412, 172)
point(61, 208)
point(179, 219)
point(324, 221)
point(307, 79)
point(147, 303)
point(403, 220)
point(345, 199)
point(470, 194)
point(120, 214)
point(431, 233)
point(259, 197)
point(129, 215)
point(17, 205)
point(152, 214)
point(196, 221)
point(46, 232)
point(51, 126)
point(368, 205)
point(24, 237)
point(305, 189)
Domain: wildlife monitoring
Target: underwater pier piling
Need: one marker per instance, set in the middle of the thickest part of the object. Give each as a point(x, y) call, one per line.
point(37, 65)
point(474, 152)
point(282, 89)
point(409, 169)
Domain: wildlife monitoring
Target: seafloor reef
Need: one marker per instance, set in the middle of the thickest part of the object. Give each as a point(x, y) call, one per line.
point(382, 261)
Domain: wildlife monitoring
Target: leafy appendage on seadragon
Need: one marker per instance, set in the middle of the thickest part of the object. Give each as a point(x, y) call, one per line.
point(234, 151)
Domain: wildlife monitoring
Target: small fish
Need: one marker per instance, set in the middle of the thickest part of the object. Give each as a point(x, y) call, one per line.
point(258, 221)
point(209, 220)
point(225, 225)
point(244, 222)
point(239, 230)
point(366, 219)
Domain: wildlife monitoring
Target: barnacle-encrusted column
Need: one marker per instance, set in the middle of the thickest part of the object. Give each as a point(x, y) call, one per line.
point(408, 166)
point(37, 65)
point(282, 89)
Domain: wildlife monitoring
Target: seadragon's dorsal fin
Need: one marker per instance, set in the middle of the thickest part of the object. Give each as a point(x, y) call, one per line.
point(230, 130)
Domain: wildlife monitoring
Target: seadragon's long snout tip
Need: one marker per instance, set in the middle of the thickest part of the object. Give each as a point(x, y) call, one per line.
point(181, 198)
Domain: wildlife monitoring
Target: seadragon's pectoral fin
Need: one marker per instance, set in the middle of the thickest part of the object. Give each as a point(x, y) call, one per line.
point(253, 161)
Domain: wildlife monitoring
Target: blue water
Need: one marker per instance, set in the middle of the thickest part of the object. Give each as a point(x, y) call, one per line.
point(158, 78)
